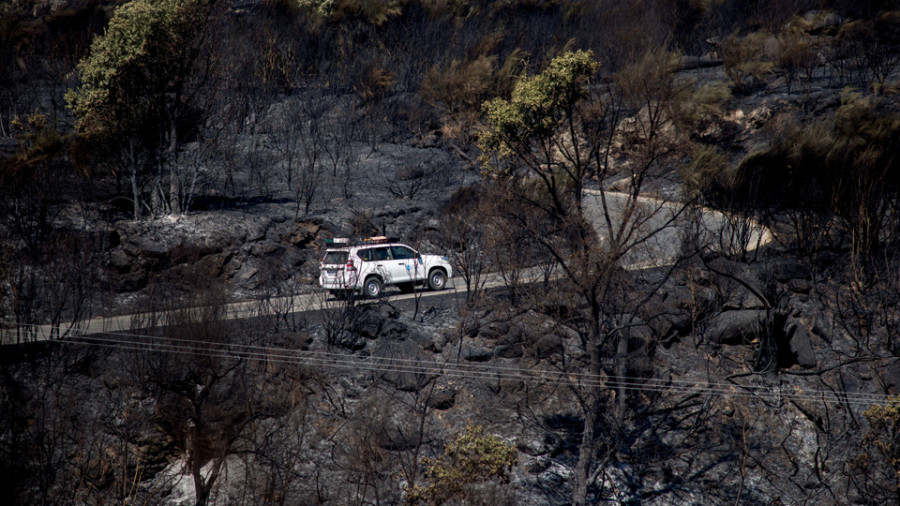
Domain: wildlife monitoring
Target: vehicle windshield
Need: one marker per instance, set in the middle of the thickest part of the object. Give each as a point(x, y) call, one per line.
point(335, 257)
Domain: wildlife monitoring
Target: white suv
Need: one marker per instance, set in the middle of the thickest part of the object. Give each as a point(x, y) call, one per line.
point(372, 264)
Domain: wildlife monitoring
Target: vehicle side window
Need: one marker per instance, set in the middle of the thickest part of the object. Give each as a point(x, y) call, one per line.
point(366, 255)
point(402, 253)
point(381, 254)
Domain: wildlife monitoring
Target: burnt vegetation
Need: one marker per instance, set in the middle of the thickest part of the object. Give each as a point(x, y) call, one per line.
point(673, 226)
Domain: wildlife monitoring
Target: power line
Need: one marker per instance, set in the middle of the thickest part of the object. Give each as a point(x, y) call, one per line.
point(125, 341)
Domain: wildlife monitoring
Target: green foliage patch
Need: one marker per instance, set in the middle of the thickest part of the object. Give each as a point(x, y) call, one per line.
point(131, 69)
point(473, 458)
point(533, 113)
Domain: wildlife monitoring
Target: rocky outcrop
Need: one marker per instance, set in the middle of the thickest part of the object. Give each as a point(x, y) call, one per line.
point(737, 327)
point(235, 249)
point(800, 343)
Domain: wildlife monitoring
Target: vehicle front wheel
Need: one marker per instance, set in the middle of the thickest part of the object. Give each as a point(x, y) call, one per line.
point(373, 288)
point(437, 279)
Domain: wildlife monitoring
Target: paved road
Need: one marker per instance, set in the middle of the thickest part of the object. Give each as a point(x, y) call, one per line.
point(668, 225)
point(238, 310)
point(670, 221)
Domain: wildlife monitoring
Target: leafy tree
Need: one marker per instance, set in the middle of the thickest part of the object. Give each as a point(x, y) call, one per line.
point(543, 130)
point(137, 90)
point(555, 132)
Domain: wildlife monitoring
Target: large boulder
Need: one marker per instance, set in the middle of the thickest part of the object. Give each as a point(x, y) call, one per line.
point(799, 341)
point(403, 364)
point(671, 312)
point(784, 270)
point(737, 327)
point(304, 233)
point(475, 351)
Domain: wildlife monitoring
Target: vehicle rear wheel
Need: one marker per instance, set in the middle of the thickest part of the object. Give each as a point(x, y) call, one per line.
point(437, 279)
point(373, 288)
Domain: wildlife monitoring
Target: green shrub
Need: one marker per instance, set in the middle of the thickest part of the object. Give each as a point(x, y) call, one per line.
point(472, 459)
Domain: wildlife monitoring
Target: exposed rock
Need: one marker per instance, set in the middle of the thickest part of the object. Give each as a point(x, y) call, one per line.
point(494, 330)
point(544, 346)
point(409, 173)
point(397, 439)
point(205, 245)
point(395, 359)
point(670, 312)
point(303, 233)
point(370, 324)
point(508, 351)
point(737, 327)
point(436, 342)
point(149, 246)
point(267, 250)
point(801, 286)
point(697, 62)
point(838, 339)
point(892, 377)
point(442, 399)
point(784, 270)
point(122, 261)
point(739, 283)
point(476, 352)
point(741, 298)
point(431, 139)
point(536, 465)
point(818, 22)
point(800, 343)
point(212, 266)
point(250, 243)
point(535, 443)
point(231, 268)
point(823, 327)
point(349, 340)
point(248, 274)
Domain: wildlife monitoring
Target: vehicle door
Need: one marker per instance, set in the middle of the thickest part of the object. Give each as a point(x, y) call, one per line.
point(405, 260)
point(401, 264)
point(384, 266)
